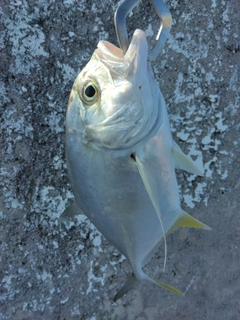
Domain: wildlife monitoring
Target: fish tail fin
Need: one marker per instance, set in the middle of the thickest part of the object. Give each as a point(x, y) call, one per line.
point(163, 285)
point(131, 282)
point(168, 287)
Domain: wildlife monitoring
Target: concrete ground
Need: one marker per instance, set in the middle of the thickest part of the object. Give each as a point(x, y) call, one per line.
point(50, 270)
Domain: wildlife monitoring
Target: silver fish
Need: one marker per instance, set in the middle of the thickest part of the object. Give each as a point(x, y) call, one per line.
point(121, 156)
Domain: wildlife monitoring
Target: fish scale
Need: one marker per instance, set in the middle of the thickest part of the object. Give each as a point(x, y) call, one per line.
point(122, 164)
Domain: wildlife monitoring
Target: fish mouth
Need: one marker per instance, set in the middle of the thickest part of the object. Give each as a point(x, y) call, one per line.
point(138, 44)
point(114, 59)
point(107, 50)
point(110, 51)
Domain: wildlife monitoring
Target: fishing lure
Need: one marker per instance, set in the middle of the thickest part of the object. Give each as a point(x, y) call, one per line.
point(120, 153)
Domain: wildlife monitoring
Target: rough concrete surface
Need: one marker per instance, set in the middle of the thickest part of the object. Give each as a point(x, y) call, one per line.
point(50, 270)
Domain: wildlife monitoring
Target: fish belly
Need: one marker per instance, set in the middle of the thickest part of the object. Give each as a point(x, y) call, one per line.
point(110, 191)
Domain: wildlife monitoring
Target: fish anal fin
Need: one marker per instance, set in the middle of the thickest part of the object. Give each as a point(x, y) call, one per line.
point(183, 162)
point(168, 287)
point(131, 282)
point(71, 211)
point(185, 220)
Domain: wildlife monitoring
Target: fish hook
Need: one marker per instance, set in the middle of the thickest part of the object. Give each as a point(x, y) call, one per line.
point(164, 29)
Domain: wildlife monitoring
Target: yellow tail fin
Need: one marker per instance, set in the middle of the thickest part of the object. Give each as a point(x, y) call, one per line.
point(168, 287)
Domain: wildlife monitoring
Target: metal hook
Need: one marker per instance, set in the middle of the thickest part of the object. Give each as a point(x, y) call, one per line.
point(121, 28)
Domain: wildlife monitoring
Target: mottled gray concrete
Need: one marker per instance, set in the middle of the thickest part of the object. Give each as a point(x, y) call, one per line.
point(69, 271)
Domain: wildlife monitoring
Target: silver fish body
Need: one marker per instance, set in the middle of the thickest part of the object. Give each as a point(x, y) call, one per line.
point(121, 156)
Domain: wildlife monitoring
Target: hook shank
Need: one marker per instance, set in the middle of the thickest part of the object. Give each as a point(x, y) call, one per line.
point(121, 28)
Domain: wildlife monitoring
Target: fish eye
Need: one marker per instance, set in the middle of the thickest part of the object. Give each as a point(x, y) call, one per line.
point(89, 93)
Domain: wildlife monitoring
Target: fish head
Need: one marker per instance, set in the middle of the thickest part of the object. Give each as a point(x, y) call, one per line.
point(113, 98)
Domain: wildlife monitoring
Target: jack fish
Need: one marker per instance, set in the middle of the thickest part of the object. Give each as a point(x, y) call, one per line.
point(121, 156)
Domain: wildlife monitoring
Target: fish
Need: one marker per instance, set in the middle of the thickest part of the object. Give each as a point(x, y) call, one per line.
point(121, 156)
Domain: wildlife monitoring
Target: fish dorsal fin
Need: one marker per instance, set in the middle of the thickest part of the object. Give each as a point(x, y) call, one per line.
point(70, 212)
point(149, 176)
point(183, 162)
point(185, 220)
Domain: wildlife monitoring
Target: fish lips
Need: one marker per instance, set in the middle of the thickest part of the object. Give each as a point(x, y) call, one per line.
point(125, 65)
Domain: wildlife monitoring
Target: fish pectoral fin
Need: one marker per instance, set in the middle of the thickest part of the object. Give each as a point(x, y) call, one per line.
point(131, 282)
point(168, 287)
point(185, 220)
point(149, 175)
point(183, 162)
point(71, 211)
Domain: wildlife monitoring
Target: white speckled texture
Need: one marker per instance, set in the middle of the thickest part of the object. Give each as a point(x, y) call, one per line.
point(50, 270)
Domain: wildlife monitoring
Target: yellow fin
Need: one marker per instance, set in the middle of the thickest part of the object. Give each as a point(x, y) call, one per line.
point(185, 220)
point(168, 287)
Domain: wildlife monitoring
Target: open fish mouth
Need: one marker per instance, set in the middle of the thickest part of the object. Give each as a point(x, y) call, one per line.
point(108, 51)
point(114, 59)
